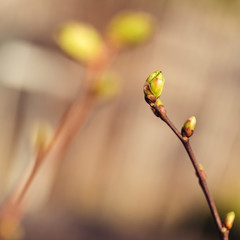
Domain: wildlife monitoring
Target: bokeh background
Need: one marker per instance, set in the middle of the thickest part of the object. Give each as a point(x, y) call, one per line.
point(126, 176)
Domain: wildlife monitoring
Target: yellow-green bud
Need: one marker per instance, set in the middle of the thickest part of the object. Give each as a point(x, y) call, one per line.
point(80, 41)
point(156, 82)
point(189, 126)
point(152, 76)
point(190, 123)
point(130, 28)
point(229, 219)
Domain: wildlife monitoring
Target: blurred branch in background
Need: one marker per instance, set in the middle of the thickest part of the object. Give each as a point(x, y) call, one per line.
point(81, 42)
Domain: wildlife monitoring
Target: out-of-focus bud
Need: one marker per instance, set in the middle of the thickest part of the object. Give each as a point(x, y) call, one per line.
point(130, 28)
point(41, 136)
point(189, 126)
point(80, 41)
point(229, 219)
point(154, 84)
point(107, 85)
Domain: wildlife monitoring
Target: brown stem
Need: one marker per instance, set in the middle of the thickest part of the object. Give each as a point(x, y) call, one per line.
point(202, 181)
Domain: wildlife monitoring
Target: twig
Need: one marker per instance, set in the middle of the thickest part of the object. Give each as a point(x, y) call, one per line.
point(152, 91)
point(224, 233)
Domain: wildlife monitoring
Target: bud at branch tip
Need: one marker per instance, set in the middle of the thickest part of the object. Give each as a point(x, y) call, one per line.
point(156, 83)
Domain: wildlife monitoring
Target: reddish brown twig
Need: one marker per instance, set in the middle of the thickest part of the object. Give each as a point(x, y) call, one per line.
point(223, 231)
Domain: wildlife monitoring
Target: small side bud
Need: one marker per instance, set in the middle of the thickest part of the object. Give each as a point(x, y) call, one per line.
point(158, 109)
point(229, 219)
point(189, 126)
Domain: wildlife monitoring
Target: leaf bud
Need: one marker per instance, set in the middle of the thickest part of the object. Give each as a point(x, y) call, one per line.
point(130, 28)
point(152, 76)
point(229, 219)
point(189, 126)
point(80, 41)
point(154, 85)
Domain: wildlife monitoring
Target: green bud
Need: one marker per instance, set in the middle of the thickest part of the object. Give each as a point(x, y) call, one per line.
point(156, 84)
point(152, 76)
point(80, 41)
point(229, 219)
point(189, 126)
point(190, 123)
point(130, 28)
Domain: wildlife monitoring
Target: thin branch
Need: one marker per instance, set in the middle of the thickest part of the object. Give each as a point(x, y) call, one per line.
point(224, 233)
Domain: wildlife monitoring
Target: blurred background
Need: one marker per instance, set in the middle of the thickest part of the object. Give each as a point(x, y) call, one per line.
point(126, 175)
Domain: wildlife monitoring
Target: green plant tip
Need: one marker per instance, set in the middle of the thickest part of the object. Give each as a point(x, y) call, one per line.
point(152, 76)
point(156, 84)
point(190, 123)
point(229, 219)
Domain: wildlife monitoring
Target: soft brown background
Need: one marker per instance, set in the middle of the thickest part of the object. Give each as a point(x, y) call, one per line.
point(125, 170)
